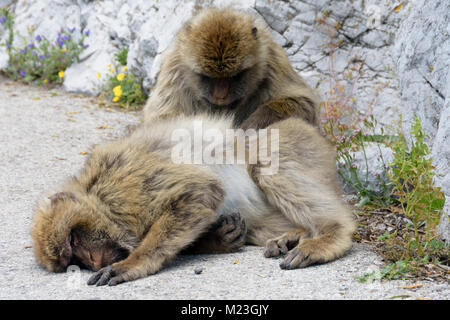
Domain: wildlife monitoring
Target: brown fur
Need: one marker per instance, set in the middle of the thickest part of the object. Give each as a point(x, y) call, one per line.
point(226, 62)
point(133, 196)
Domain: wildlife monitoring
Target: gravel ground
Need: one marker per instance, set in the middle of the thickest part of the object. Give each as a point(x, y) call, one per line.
point(43, 135)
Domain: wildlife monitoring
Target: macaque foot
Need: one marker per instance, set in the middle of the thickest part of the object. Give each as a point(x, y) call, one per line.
point(300, 257)
point(231, 231)
point(299, 249)
point(281, 245)
point(228, 234)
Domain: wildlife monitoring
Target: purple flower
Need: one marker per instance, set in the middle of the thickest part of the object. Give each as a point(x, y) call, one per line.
point(72, 30)
point(60, 42)
point(22, 73)
point(34, 53)
point(41, 58)
point(23, 50)
point(38, 38)
point(65, 38)
point(31, 45)
point(2, 19)
point(86, 46)
point(88, 32)
point(8, 45)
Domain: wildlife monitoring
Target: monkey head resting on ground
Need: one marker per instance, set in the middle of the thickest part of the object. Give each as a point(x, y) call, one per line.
point(132, 208)
point(226, 61)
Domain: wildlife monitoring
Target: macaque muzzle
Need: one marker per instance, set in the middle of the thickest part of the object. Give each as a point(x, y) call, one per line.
point(221, 91)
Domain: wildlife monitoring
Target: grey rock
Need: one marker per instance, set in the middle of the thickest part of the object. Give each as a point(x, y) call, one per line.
point(423, 67)
point(198, 270)
point(370, 164)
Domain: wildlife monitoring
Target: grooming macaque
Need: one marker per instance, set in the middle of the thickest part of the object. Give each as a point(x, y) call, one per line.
point(132, 208)
point(227, 62)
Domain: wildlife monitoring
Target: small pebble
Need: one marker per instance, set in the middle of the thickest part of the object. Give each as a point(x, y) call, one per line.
point(198, 270)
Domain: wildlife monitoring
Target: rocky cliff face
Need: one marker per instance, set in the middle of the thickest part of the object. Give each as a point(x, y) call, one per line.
point(401, 49)
point(422, 58)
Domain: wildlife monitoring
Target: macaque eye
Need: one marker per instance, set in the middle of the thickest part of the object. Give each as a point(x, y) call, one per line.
point(91, 258)
point(239, 75)
point(204, 77)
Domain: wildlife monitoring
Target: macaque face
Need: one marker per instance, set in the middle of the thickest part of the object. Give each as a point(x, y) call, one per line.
point(224, 91)
point(222, 52)
point(92, 252)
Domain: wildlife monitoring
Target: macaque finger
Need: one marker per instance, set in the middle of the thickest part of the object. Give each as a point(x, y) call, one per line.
point(294, 259)
point(271, 249)
point(282, 245)
point(101, 277)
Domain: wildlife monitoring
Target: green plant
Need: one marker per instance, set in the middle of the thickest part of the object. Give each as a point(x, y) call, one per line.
point(412, 174)
point(122, 56)
point(414, 248)
point(401, 269)
point(7, 20)
point(122, 86)
point(41, 61)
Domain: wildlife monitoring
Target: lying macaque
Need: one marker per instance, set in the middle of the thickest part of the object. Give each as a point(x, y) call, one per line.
point(135, 206)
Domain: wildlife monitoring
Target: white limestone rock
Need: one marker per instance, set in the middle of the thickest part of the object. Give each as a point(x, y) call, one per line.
point(423, 66)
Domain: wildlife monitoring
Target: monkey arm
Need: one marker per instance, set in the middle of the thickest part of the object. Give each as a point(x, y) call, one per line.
point(173, 231)
point(279, 109)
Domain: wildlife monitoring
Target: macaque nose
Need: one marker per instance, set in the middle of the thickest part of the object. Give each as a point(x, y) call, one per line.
point(220, 91)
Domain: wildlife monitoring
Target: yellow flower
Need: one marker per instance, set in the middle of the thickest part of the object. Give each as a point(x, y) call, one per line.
point(61, 74)
point(109, 65)
point(63, 50)
point(124, 68)
point(120, 76)
point(117, 91)
point(98, 75)
point(115, 99)
point(112, 70)
point(45, 81)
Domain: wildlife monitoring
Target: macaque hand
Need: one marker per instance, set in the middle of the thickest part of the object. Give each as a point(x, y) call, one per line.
point(113, 275)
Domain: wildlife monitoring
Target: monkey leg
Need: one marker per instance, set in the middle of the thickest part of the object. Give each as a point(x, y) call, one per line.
point(330, 244)
point(301, 249)
point(322, 226)
point(281, 245)
point(167, 237)
point(227, 235)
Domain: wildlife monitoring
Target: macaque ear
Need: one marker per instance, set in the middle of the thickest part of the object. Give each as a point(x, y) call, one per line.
point(66, 254)
point(255, 32)
point(61, 196)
